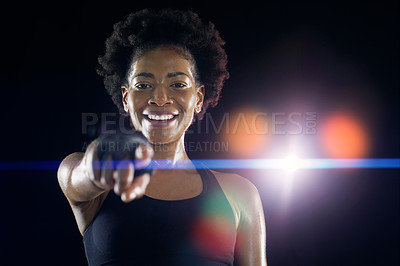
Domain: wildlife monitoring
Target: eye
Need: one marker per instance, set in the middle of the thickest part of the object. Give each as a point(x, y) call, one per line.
point(142, 86)
point(178, 85)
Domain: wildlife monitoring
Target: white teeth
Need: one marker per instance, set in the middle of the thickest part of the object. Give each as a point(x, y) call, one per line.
point(160, 117)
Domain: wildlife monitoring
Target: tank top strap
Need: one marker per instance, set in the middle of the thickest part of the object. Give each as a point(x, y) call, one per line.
point(209, 180)
point(216, 198)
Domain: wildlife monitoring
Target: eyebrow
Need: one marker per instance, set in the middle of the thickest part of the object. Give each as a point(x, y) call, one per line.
point(169, 75)
point(174, 74)
point(144, 74)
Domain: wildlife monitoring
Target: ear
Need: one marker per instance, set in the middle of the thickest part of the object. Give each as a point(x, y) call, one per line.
point(125, 91)
point(200, 98)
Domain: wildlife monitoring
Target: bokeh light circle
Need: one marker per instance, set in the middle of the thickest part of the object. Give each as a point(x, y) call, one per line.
point(343, 135)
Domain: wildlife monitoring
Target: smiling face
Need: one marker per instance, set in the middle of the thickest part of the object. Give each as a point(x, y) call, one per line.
point(162, 95)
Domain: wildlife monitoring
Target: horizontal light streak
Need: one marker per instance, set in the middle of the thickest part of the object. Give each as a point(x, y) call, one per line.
point(305, 163)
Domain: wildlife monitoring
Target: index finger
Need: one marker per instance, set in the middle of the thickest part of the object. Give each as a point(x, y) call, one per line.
point(143, 158)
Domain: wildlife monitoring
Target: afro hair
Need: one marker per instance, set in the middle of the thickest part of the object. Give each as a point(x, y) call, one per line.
point(148, 28)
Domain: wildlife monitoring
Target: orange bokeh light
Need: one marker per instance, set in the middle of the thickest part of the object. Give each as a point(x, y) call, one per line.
point(344, 136)
point(247, 132)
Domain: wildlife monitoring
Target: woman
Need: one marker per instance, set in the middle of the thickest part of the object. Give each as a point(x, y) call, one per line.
point(163, 69)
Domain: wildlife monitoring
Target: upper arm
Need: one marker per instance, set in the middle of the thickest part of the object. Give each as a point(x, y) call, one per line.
point(84, 210)
point(251, 234)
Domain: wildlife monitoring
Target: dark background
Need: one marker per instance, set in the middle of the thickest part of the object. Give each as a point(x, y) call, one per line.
point(342, 217)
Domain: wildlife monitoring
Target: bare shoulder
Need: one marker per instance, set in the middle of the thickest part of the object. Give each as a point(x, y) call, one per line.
point(242, 195)
point(236, 184)
point(66, 166)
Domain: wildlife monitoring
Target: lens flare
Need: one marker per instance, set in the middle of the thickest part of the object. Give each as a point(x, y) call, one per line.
point(213, 233)
point(247, 132)
point(291, 163)
point(343, 136)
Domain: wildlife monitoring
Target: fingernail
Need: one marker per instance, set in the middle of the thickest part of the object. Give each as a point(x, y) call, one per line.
point(116, 189)
point(132, 195)
point(123, 196)
point(137, 190)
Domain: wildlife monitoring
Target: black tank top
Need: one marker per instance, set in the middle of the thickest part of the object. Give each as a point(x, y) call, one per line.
point(191, 232)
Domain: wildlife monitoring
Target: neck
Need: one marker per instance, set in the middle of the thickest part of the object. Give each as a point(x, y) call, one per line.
point(171, 155)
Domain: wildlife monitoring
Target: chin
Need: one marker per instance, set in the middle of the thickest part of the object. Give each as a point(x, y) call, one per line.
point(158, 138)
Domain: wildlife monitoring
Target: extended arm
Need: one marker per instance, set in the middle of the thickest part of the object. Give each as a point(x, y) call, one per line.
point(86, 186)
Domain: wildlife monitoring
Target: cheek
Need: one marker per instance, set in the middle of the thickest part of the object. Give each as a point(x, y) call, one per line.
point(188, 104)
point(137, 101)
point(136, 105)
point(188, 101)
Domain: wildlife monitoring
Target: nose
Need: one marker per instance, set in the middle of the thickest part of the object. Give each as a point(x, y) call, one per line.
point(160, 96)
